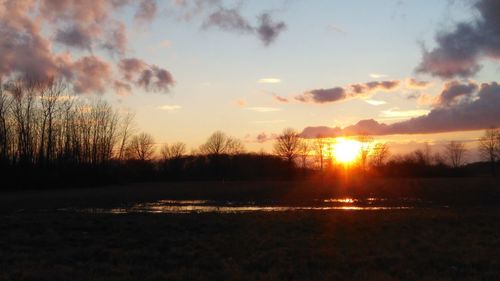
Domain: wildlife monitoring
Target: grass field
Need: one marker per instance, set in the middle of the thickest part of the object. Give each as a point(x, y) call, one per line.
point(456, 243)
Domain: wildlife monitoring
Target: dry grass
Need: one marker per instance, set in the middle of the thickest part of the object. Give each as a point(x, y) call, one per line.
point(397, 245)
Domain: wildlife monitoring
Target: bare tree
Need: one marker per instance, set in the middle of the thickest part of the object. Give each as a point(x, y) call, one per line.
point(234, 146)
point(489, 147)
point(366, 143)
point(287, 145)
point(141, 147)
point(304, 151)
point(220, 143)
point(380, 153)
point(173, 151)
point(5, 103)
point(127, 129)
point(455, 151)
point(319, 150)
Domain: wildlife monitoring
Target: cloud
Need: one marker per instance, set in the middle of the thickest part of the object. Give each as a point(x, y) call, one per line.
point(149, 77)
point(228, 19)
point(38, 37)
point(76, 37)
point(376, 102)
point(416, 84)
point(216, 14)
point(351, 91)
point(269, 81)
point(373, 86)
point(396, 113)
point(452, 93)
point(170, 108)
point(264, 109)
point(455, 92)
point(263, 137)
point(91, 75)
point(321, 131)
point(280, 99)
point(146, 11)
point(377, 75)
point(459, 51)
point(323, 95)
point(268, 30)
point(477, 113)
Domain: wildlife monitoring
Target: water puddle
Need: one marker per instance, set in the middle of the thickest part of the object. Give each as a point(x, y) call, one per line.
point(206, 206)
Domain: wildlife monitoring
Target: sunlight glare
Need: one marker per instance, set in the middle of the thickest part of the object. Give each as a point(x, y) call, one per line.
point(346, 150)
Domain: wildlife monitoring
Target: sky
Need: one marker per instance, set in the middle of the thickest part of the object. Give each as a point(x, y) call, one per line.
point(252, 68)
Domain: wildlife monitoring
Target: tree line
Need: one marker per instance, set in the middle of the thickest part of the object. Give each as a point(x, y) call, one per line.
point(49, 136)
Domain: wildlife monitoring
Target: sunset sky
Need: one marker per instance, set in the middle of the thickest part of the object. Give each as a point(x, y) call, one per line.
point(251, 68)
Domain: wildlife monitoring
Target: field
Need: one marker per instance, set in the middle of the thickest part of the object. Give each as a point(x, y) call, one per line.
point(459, 241)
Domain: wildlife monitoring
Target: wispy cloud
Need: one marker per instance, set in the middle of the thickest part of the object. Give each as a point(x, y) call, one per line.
point(269, 81)
point(264, 109)
point(376, 102)
point(416, 84)
point(170, 107)
point(281, 99)
point(396, 113)
point(377, 75)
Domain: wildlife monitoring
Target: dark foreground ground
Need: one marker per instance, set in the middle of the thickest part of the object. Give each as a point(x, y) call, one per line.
point(459, 242)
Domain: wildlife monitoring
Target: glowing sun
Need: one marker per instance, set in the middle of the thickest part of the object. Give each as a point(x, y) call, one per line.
point(346, 151)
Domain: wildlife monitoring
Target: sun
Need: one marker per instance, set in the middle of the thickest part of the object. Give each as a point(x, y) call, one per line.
point(346, 150)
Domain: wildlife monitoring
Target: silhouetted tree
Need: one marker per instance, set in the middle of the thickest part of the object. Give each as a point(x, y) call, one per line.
point(5, 103)
point(380, 153)
point(304, 151)
point(173, 151)
point(319, 150)
point(489, 147)
point(365, 149)
point(141, 147)
point(455, 152)
point(220, 143)
point(127, 129)
point(287, 145)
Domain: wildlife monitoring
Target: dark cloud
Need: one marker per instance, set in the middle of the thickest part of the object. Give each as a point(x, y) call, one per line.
point(477, 113)
point(352, 91)
point(216, 14)
point(323, 95)
point(455, 91)
point(30, 28)
point(149, 77)
point(458, 52)
point(91, 74)
point(320, 131)
point(268, 30)
point(369, 87)
point(75, 36)
point(228, 19)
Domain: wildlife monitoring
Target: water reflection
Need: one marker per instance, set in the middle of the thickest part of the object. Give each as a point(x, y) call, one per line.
point(206, 206)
